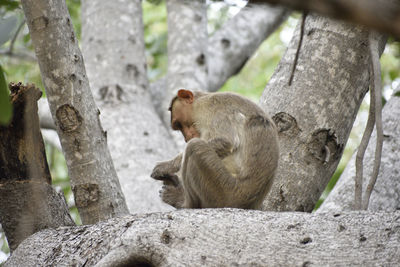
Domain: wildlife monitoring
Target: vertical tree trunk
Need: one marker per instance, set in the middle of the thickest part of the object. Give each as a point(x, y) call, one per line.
point(94, 181)
point(316, 113)
point(28, 201)
point(116, 63)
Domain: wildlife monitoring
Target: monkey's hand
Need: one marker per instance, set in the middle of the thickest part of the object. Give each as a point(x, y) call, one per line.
point(172, 195)
point(221, 146)
point(166, 170)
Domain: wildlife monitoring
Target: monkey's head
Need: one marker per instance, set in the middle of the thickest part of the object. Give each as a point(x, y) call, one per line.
point(182, 114)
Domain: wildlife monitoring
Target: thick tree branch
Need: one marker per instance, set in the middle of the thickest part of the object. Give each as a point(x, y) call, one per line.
point(114, 52)
point(220, 237)
point(235, 42)
point(381, 15)
point(315, 115)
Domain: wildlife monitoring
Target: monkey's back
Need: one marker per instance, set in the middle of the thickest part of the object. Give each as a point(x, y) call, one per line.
point(255, 152)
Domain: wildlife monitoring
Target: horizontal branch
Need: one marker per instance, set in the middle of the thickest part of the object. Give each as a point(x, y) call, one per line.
point(382, 15)
point(220, 237)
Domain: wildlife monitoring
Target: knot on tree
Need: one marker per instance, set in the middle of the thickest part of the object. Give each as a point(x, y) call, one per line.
point(68, 118)
point(286, 124)
point(323, 145)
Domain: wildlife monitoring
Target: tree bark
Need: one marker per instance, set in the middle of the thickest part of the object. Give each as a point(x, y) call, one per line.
point(386, 193)
point(97, 192)
point(116, 64)
point(236, 41)
point(28, 202)
point(316, 113)
point(187, 45)
point(381, 15)
point(220, 237)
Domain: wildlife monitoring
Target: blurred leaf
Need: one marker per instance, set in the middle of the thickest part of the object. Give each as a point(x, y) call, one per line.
point(7, 28)
point(9, 5)
point(26, 38)
point(5, 105)
point(154, 2)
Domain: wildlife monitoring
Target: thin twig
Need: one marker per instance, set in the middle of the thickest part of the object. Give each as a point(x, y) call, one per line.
point(11, 48)
point(373, 46)
point(303, 19)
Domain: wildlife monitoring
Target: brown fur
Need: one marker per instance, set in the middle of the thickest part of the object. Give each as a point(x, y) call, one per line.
point(231, 155)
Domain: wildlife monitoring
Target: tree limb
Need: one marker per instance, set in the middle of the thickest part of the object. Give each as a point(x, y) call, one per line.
point(220, 237)
point(234, 43)
point(380, 15)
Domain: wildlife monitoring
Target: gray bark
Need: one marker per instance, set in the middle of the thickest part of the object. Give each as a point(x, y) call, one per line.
point(316, 113)
point(220, 237)
point(375, 14)
point(116, 63)
point(187, 53)
point(235, 42)
point(187, 45)
point(94, 181)
point(386, 193)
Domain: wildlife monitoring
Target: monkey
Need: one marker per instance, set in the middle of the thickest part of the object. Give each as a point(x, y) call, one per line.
point(230, 157)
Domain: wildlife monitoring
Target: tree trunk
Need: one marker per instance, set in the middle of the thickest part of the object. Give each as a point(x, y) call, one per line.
point(220, 237)
point(116, 63)
point(28, 202)
point(93, 178)
point(386, 193)
point(316, 113)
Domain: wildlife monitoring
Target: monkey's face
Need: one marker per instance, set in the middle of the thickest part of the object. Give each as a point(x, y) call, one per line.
point(182, 119)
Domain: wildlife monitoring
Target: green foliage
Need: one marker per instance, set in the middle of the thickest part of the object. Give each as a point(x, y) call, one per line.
point(74, 8)
point(5, 105)
point(9, 5)
point(155, 38)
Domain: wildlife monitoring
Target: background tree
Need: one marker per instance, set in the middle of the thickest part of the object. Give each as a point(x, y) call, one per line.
point(319, 139)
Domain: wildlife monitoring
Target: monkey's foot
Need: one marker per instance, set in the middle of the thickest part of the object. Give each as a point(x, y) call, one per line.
point(172, 195)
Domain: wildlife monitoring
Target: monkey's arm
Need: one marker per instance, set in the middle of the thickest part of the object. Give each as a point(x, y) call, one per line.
point(221, 146)
point(166, 170)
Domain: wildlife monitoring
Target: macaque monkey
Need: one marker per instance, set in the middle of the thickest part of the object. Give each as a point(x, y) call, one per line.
point(231, 153)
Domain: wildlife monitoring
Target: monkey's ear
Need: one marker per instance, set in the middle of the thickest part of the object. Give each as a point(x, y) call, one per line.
point(186, 95)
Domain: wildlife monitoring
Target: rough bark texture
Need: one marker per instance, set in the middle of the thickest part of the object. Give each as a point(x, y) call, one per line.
point(116, 63)
point(235, 42)
point(28, 202)
point(382, 15)
point(94, 181)
point(386, 193)
point(187, 49)
point(316, 113)
point(187, 44)
point(214, 237)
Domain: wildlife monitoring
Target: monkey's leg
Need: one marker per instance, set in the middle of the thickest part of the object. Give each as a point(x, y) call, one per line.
point(205, 178)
